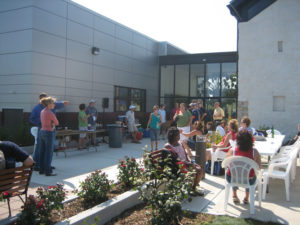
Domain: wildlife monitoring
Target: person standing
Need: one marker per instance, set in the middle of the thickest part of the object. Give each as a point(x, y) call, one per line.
point(48, 121)
point(92, 115)
point(35, 118)
point(154, 123)
point(163, 126)
point(83, 124)
point(195, 113)
point(130, 119)
point(202, 112)
point(184, 120)
point(218, 113)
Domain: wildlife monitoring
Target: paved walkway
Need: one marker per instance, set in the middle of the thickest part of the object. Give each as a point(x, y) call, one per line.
point(75, 167)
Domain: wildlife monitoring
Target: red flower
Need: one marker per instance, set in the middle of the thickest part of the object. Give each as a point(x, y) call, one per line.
point(5, 193)
point(133, 159)
point(123, 165)
point(142, 169)
point(51, 187)
point(40, 189)
point(40, 204)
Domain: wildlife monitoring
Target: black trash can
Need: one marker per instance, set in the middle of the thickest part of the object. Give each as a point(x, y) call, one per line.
point(115, 135)
point(201, 153)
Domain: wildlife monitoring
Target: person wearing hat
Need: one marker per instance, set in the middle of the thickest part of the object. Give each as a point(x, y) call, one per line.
point(91, 113)
point(130, 119)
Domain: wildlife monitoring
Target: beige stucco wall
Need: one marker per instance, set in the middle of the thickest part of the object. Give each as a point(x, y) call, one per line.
point(264, 72)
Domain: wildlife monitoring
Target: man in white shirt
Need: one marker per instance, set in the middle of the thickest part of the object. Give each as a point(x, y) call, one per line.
point(130, 119)
point(163, 126)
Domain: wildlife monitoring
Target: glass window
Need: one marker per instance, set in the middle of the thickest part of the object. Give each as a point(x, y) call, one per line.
point(167, 81)
point(182, 80)
point(124, 97)
point(229, 107)
point(197, 80)
point(229, 80)
point(213, 80)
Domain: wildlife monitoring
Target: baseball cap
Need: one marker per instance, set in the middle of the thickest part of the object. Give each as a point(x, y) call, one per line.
point(132, 107)
point(92, 100)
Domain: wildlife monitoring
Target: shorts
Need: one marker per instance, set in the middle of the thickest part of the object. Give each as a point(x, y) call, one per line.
point(184, 130)
point(154, 133)
point(132, 128)
point(82, 135)
point(251, 182)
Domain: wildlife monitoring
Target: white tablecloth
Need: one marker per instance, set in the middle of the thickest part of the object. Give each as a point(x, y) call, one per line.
point(270, 146)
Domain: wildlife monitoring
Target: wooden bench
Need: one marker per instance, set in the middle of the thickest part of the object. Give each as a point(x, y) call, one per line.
point(158, 160)
point(15, 182)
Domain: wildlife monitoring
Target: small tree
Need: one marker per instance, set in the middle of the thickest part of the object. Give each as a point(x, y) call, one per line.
point(165, 190)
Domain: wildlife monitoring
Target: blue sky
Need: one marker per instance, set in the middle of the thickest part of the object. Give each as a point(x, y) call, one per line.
point(196, 26)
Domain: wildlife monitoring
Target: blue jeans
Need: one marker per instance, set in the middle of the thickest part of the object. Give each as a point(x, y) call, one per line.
point(37, 150)
point(46, 151)
point(36, 153)
point(251, 182)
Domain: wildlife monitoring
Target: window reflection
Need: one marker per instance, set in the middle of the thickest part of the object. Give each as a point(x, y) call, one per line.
point(213, 80)
point(167, 81)
point(229, 80)
point(197, 80)
point(182, 80)
point(124, 97)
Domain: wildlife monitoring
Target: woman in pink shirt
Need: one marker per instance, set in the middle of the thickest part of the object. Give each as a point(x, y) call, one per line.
point(49, 121)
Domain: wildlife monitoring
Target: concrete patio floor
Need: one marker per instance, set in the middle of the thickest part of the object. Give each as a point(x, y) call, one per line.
point(78, 164)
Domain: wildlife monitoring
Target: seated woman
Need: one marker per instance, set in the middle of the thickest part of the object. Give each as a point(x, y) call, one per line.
point(233, 129)
point(245, 123)
point(189, 144)
point(244, 148)
point(177, 148)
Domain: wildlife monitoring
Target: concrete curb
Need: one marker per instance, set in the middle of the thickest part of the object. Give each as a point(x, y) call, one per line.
point(106, 210)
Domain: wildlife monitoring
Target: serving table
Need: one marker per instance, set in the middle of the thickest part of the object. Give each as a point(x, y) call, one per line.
point(64, 135)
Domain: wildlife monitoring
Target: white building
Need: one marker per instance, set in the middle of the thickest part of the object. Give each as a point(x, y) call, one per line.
point(269, 62)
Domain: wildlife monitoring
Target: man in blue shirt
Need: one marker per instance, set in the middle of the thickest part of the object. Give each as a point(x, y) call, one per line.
point(195, 113)
point(35, 118)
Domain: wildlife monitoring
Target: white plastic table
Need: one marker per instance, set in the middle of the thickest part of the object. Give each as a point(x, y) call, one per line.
point(270, 146)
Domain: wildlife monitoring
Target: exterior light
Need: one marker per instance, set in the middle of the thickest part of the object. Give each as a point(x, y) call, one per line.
point(95, 51)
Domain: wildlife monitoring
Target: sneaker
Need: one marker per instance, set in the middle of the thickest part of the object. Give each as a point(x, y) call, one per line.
point(197, 193)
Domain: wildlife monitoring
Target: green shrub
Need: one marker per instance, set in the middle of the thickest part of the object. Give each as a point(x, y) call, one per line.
point(165, 191)
point(37, 209)
point(94, 189)
point(130, 172)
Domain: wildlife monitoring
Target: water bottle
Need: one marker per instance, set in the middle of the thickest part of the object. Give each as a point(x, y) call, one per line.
point(272, 132)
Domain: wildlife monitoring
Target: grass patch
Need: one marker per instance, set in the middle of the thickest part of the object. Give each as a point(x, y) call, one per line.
point(227, 220)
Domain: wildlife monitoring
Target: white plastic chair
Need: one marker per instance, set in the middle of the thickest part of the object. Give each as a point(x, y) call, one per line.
point(34, 133)
point(240, 168)
point(219, 155)
point(274, 172)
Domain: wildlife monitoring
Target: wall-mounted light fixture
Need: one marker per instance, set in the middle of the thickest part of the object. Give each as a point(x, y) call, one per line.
point(95, 51)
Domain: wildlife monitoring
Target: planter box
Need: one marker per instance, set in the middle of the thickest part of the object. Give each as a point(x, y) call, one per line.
point(106, 210)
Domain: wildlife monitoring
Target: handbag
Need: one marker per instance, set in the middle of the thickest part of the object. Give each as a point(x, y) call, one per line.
point(218, 170)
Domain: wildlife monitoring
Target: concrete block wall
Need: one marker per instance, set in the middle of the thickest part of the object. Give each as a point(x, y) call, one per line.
point(264, 72)
point(46, 46)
